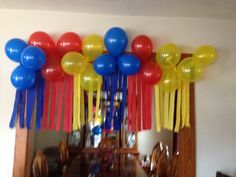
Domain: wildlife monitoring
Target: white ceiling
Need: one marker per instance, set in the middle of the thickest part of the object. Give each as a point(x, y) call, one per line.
point(171, 8)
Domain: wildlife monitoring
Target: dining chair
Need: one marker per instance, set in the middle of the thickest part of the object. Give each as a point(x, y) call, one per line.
point(64, 155)
point(154, 156)
point(40, 166)
point(172, 170)
point(219, 174)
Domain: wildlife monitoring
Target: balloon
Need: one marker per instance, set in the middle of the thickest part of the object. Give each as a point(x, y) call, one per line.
point(73, 62)
point(69, 42)
point(93, 46)
point(33, 58)
point(90, 79)
point(128, 64)
point(116, 41)
point(170, 80)
point(205, 54)
point(142, 47)
point(23, 78)
point(168, 55)
point(150, 73)
point(43, 41)
point(14, 48)
point(105, 64)
point(190, 69)
point(52, 69)
point(97, 130)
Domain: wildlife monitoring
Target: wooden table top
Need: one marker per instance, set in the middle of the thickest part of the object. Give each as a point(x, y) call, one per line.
point(88, 165)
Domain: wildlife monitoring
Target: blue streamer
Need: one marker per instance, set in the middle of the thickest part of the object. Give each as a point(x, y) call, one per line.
point(108, 121)
point(15, 109)
point(113, 93)
point(22, 109)
point(30, 106)
point(39, 101)
point(123, 103)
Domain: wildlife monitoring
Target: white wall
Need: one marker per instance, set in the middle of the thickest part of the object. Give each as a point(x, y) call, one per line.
point(216, 98)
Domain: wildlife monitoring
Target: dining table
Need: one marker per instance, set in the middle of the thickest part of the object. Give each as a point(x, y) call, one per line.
point(92, 165)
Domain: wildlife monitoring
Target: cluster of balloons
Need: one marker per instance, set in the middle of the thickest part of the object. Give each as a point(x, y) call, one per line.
point(31, 59)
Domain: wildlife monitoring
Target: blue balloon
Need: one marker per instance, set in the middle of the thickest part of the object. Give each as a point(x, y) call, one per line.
point(128, 64)
point(23, 78)
point(97, 130)
point(14, 48)
point(33, 58)
point(116, 41)
point(105, 64)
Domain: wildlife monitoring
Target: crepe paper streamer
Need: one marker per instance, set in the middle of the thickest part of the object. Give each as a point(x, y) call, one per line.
point(114, 79)
point(60, 85)
point(98, 102)
point(166, 109)
point(53, 101)
point(123, 102)
point(139, 103)
point(108, 122)
point(183, 106)
point(133, 103)
point(46, 104)
point(22, 109)
point(76, 102)
point(39, 100)
point(178, 109)
point(157, 108)
point(143, 102)
point(171, 111)
point(30, 105)
point(15, 108)
point(161, 95)
point(90, 106)
point(187, 118)
point(148, 106)
point(70, 104)
point(82, 115)
point(130, 89)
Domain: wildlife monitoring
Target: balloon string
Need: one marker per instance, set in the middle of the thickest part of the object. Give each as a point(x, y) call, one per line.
point(22, 109)
point(53, 104)
point(171, 111)
point(15, 109)
point(166, 109)
point(70, 104)
point(157, 108)
point(60, 103)
point(39, 101)
point(75, 103)
point(130, 84)
point(30, 106)
point(90, 106)
point(139, 102)
point(178, 109)
point(183, 106)
point(46, 104)
point(187, 120)
point(133, 103)
point(82, 116)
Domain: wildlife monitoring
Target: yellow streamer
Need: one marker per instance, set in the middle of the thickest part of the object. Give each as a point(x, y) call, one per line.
point(90, 106)
point(75, 103)
point(166, 109)
point(177, 125)
point(82, 115)
point(161, 107)
point(171, 111)
point(187, 118)
point(183, 107)
point(157, 105)
point(98, 101)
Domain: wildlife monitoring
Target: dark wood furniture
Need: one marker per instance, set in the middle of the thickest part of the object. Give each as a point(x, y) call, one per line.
point(40, 165)
point(219, 174)
point(88, 164)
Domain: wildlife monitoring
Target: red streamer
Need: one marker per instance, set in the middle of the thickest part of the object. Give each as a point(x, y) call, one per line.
point(130, 91)
point(68, 109)
point(53, 104)
point(139, 103)
point(45, 105)
point(133, 104)
point(60, 103)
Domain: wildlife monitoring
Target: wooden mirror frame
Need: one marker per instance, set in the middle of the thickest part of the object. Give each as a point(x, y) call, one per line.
point(185, 142)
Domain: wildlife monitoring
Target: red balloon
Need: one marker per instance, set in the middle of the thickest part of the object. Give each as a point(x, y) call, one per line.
point(68, 42)
point(43, 41)
point(52, 69)
point(142, 47)
point(150, 73)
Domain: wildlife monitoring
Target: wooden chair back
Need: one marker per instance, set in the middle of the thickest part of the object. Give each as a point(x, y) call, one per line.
point(40, 165)
point(154, 156)
point(172, 169)
point(64, 153)
point(162, 159)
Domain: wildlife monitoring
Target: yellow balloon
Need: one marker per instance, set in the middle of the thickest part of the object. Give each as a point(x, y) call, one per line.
point(170, 80)
point(190, 69)
point(168, 55)
point(73, 62)
point(90, 79)
point(205, 54)
point(92, 46)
